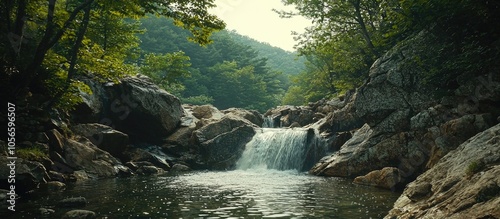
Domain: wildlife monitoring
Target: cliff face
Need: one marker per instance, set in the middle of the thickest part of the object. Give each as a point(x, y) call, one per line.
point(402, 126)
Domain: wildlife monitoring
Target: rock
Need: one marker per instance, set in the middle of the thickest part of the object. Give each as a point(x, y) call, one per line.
point(42, 137)
point(92, 106)
point(74, 202)
point(287, 115)
point(142, 110)
point(78, 176)
point(55, 186)
point(151, 154)
point(454, 132)
point(222, 142)
point(81, 154)
point(207, 112)
point(294, 125)
point(179, 168)
point(149, 170)
point(457, 186)
point(386, 178)
point(29, 174)
point(45, 212)
point(104, 137)
point(251, 115)
point(79, 214)
point(55, 141)
point(57, 176)
point(367, 151)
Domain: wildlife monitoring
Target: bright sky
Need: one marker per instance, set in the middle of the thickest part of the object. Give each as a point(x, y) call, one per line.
point(255, 18)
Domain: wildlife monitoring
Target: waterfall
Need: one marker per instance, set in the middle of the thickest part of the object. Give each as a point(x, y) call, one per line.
point(270, 122)
point(282, 149)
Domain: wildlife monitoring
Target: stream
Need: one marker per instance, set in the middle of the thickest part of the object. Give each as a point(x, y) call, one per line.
point(269, 182)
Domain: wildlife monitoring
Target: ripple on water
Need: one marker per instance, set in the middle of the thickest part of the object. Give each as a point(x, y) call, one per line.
point(231, 194)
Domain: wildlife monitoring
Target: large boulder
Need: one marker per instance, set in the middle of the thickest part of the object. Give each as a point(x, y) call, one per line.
point(28, 174)
point(287, 115)
point(251, 115)
point(222, 142)
point(142, 110)
point(463, 184)
point(366, 151)
point(81, 154)
point(104, 137)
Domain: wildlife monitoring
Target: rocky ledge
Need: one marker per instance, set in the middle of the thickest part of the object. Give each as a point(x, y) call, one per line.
point(463, 184)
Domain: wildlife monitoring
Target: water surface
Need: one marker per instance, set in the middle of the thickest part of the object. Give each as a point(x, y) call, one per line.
point(232, 194)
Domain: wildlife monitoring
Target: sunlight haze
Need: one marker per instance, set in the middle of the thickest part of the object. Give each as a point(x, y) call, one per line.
point(255, 18)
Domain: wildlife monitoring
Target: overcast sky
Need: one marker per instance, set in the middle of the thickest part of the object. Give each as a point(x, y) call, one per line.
point(255, 18)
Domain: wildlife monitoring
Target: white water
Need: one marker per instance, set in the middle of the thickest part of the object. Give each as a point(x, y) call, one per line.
point(280, 149)
point(269, 122)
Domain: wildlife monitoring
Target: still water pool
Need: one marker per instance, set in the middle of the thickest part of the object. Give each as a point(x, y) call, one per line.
point(231, 194)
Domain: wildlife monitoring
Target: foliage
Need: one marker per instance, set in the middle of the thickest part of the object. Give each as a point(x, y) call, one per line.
point(47, 44)
point(287, 62)
point(31, 153)
point(347, 37)
point(226, 73)
point(166, 69)
point(474, 167)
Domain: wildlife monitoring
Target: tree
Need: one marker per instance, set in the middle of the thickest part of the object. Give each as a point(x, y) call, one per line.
point(36, 32)
point(166, 69)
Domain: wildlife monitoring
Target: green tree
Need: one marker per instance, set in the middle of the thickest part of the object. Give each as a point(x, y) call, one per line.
point(48, 43)
point(165, 70)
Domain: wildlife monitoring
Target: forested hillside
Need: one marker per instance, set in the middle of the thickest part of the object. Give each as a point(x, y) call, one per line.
point(232, 71)
point(289, 63)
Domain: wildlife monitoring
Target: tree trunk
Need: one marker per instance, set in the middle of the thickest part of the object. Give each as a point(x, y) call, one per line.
point(362, 25)
point(74, 55)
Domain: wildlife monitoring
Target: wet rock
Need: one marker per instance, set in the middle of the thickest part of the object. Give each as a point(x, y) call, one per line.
point(74, 202)
point(149, 170)
point(55, 186)
point(222, 142)
point(179, 168)
point(104, 137)
point(386, 178)
point(151, 154)
point(45, 212)
point(79, 214)
point(457, 187)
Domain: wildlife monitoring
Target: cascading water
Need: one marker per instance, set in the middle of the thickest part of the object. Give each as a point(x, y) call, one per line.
point(270, 122)
point(282, 149)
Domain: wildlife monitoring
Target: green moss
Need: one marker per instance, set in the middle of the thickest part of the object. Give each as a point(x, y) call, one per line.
point(474, 167)
point(32, 153)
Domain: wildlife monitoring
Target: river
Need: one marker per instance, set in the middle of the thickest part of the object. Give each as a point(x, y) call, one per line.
point(230, 194)
point(269, 182)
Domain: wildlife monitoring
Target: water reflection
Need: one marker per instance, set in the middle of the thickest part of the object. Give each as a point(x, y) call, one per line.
point(232, 194)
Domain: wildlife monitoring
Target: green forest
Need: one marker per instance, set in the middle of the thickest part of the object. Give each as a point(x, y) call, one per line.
point(48, 45)
point(232, 71)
